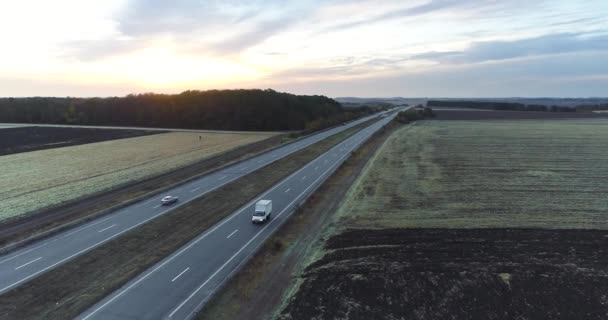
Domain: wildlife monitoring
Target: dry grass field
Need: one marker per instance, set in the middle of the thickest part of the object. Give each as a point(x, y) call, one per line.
point(34, 180)
point(467, 174)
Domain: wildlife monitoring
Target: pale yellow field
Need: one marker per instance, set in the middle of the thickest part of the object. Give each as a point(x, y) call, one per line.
point(34, 180)
point(466, 174)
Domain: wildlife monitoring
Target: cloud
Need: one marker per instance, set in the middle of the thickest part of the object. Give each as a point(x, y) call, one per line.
point(208, 27)
point(422, 9)
point(153, 17)
point(221, 27)
point(249, 38)
point(573, 74)
point(90, 50)
point(502, 50)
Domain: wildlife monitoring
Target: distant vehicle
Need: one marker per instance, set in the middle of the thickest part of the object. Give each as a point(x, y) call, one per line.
point(168, 200)
point(263, 209)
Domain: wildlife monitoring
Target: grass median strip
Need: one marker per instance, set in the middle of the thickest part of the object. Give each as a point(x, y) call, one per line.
point(66, 291)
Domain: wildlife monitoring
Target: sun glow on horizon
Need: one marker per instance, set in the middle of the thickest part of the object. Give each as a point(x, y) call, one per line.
point(163, 67)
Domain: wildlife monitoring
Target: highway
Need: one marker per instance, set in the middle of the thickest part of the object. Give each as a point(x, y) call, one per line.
point(22, 265)
point(179, 285)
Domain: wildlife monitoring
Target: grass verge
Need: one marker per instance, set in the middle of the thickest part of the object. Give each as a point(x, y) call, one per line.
point(66, 291)
point(257, 290)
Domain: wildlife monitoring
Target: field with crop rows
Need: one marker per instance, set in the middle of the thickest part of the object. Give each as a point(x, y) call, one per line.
point(34, 180)
point(549, 174)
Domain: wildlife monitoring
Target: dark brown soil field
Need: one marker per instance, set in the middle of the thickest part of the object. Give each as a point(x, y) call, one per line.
point(25, 139)
point(457, 274)
point(443, 114)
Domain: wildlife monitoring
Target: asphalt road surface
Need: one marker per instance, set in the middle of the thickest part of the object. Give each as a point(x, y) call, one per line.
point(180, 285)
point(30, 261)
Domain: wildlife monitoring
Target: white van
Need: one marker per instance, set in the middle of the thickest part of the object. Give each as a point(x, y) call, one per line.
point(263, 208)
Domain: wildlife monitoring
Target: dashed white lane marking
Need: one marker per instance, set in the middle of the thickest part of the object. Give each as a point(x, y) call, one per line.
point(222, 178)
point(23, 265)
point(104, 229)
point(195, 189)
point(157, 206)
point(88, 226)
point(304, 178)
point(24, 252)
point(287, 190)
point(233, 232)
point(179, 275)
point(316, 168)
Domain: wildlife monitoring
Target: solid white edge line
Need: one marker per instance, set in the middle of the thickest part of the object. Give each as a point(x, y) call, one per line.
point(23, 265)
point(179, 275)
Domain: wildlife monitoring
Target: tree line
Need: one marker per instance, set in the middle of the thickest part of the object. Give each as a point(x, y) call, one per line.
point(252, 110)
point(492, 105)
point(592, 107)
point(417, 113)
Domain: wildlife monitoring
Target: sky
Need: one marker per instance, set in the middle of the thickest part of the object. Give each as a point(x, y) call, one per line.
point(379, 48)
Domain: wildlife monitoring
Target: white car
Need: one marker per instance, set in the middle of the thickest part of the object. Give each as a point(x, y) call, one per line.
point(168, 200)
